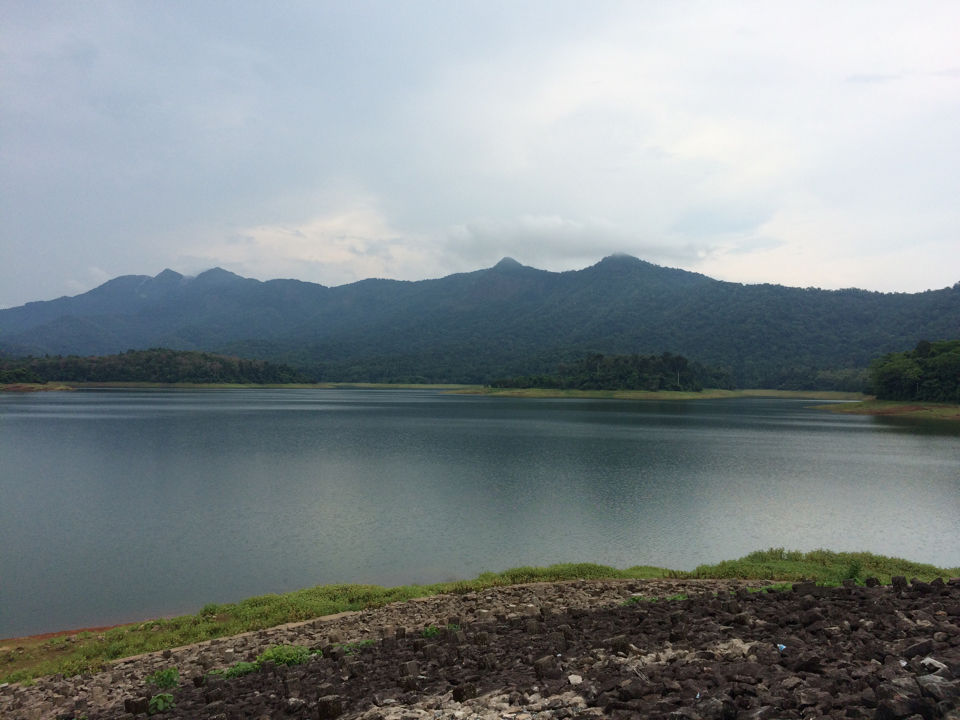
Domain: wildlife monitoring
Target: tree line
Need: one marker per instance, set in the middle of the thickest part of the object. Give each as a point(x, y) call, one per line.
point(931, 371)
point(157, 365)
point(626, 372)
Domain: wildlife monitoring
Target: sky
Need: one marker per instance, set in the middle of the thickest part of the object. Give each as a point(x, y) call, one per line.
point(812, 144)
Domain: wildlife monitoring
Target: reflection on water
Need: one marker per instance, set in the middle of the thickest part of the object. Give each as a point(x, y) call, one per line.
point(118, 505)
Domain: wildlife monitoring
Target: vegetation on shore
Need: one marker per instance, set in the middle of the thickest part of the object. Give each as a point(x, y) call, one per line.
point(83, 652)
point(133, 385)
point(709, 394)
point(930, 372)
point(894, 408)
point(158, 365)
point(626, 372)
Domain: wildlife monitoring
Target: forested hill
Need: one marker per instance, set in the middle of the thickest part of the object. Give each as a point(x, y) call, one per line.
point(503, 321)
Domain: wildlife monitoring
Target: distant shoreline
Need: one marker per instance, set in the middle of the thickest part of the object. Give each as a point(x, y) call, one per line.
point(895, 408)
point(135, 385)
point(842, 402)
point(452, 388)
point(709, 394)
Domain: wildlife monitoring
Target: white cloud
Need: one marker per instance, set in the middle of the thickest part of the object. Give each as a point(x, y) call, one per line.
point(351, 243)
point(774, 142)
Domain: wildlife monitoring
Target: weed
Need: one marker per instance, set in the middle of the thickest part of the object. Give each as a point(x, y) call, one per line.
point(352, 647)
point(278, 654)
point(430, 631)
point(168, 678)
point(853, 570)
point(237, 670)
point(160, 703)
point(637, 599)
point(453, 627)
point(210, 610)
point(285, 655)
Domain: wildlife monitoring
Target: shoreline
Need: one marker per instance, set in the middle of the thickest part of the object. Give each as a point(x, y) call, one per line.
point(853, 403)
point(85, 650)
point(707, 394)
point(585, 648)
point(70, 385)
point(912, 409)
point(451, 388)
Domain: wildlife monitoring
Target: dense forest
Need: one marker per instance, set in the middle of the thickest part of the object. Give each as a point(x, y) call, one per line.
point(931, 371)
point(154, 366)
point(626, 372)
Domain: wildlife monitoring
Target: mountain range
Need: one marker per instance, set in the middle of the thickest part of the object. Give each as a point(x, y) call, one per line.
point(509, 319)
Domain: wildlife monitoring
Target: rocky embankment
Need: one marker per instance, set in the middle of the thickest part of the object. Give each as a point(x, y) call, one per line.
point(568, 650)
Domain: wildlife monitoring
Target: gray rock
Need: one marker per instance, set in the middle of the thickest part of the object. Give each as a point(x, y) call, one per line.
point(547, 668)
point(329, 707)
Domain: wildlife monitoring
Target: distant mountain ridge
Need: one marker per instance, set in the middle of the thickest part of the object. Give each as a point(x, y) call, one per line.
point(509, 319)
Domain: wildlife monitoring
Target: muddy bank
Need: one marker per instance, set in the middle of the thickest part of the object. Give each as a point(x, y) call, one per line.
point(565, 650)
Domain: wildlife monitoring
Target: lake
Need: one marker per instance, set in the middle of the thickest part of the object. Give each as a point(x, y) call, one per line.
point(120, 505)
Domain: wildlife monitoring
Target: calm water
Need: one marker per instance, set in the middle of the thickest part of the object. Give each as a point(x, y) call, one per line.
point(121, 505)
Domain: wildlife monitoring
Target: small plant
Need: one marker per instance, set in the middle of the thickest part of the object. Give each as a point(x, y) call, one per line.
point(210, 610)
point(285, 655)
point(160, 703)
point(168, 678)
point(853, 570)
point(453, 627)
point(430, 631)
point(637, 599)
point(240, 669)
point(352, 647)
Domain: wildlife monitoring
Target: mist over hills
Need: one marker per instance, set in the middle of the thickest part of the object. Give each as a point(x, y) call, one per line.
point(509, 319)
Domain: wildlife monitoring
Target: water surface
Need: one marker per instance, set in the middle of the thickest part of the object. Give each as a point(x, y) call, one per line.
point(122, 505)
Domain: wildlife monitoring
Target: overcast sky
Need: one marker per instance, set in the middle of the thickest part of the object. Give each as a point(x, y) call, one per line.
point(804, 143)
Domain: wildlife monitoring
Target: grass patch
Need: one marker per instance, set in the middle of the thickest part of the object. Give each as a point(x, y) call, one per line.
point(638, 599)
point(88, 652)
point(136, 385)
point(708, 394)
point(822, 566)
point(164, 679)
point(285, 655)
point(352, 648)
point(908, 409)
point(278, 655)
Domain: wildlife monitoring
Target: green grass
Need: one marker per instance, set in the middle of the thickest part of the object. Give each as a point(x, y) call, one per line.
point(277, 654)
point(90, 651)
point(822, 566)
point(247, 386)
point(637, 599)
point(351, 648)
point(895, 408)
point(285, 655)
point(166, 678)
point(237, 669)
point(707, 394)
